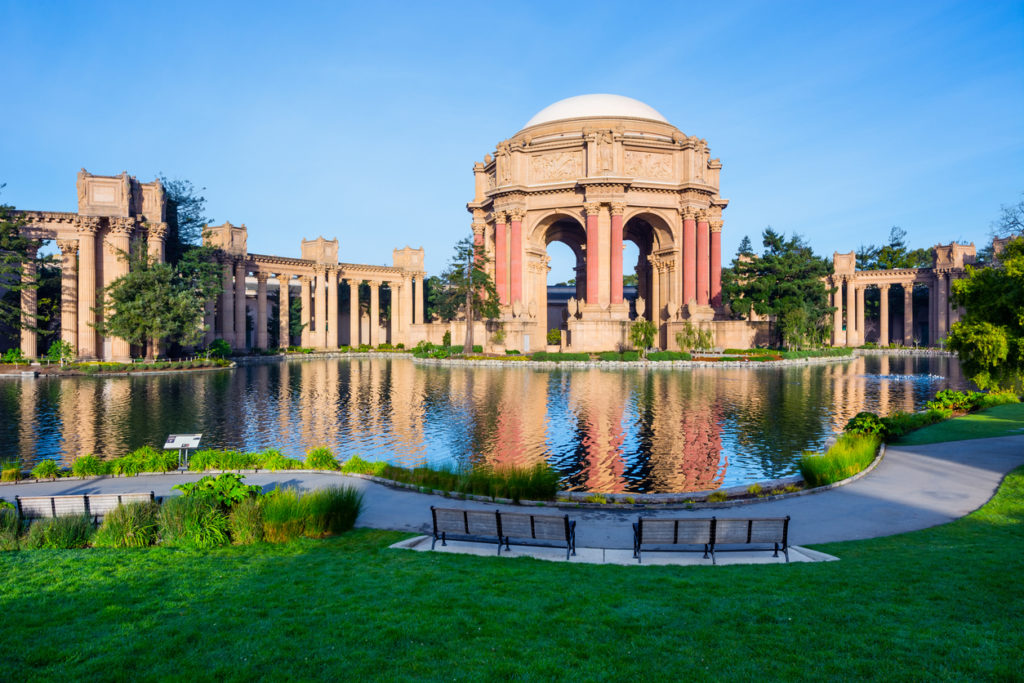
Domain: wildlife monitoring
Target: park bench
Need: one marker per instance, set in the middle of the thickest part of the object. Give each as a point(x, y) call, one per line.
point(709, 535)
point(95, 505)
point(503, 528)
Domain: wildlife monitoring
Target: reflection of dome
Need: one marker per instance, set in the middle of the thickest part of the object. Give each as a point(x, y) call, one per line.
point(595, 106)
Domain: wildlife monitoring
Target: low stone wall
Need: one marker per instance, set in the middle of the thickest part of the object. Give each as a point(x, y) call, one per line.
point(638, 364)
point(904, 352)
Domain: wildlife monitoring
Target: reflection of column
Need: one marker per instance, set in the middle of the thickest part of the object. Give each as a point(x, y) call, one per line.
point(115, 265)
point(333, 338)
point(86, 286)
point(320, 308)
point(284, 306)
point(908, 313)
point(227, 305)
point(353, 312)
point(374, 313)
point(716, 263)
point(883, 325)
point(689, 254)
point(860, 315)
point(846, 290)
point(241, 338)
point(304, 280)
point(703, 258)
point(942, 308)
point(618, 209)
point(406, 309)
point(592, 253)
point(516, 253)
point(261, 310)
point(68, 292)
point(421, 281)
point(28, 306)
point(500, 257)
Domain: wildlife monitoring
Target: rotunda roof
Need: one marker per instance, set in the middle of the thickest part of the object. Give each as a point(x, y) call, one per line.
point(594, 106)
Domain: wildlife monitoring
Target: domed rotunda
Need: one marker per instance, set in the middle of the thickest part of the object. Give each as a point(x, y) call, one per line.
point(592, 171)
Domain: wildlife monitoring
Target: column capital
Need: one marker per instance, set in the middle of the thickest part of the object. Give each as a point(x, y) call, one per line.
point(618, 208)
point(517, 214)
point(716, 225)
point(305, 280)
point(689, 213)
point(156, 230)
point(68, 247)
point(592, 208)
point(261, 277)
point(479, 227)
point(87, 225)
point(122, 226)
point(702, 215)
point(499, 216)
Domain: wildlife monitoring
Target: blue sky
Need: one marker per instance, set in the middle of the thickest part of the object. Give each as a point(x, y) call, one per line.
point(834, 120)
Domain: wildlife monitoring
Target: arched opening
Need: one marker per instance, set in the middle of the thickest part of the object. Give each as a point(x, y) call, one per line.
point(567, 274)
point(640, 234)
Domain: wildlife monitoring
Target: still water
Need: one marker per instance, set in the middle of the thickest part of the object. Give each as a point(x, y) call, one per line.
point(603, 430)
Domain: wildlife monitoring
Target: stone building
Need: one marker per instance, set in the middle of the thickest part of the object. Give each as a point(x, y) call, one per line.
point(115, 212)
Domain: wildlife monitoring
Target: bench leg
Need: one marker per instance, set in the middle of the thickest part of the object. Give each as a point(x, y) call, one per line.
point(776, 550)
point(433, 542)
point(785, 549)
point(705, 551)
point(713, 560)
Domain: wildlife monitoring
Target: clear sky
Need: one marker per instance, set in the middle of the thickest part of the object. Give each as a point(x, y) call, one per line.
point(362, 121)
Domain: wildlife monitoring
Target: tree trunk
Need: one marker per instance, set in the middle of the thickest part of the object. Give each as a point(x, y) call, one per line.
point(467, 346)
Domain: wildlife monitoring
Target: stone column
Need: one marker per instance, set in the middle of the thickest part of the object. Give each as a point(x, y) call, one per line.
point(155, 239)
point(29, 299)
point(618, 212)
point(353, 312)
point(849, 334)
point(883, 323)
point(689, 254)
point(860, 315)
point(716, 263)
point(500, 258)
point(69, 292)
point(908, 313)
point(320, 310)
point(115, 265)
point(227, 304)
point(241, 339)
point(421, 281)
point(942, 308)
point(655, 303)
point(86, 227)
point(374, 313)
point(261, 310)
point(516, 254)
point(837, 315)
point(933, 287)
point(333, 338)
point(304, 280)
point(406, 309)
point(593, 259)
point(703, 259)
point(284, 310)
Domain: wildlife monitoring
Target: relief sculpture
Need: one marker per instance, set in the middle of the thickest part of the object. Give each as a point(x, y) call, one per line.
point(648, 165)
point(556, 166)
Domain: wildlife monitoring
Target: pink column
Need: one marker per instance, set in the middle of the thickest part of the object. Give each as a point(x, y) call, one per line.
point(618, 209)
point(592, 251)
point(703, 260)
point(516, 255)
point(716, 264)
point(500, 258)
point(689, 255)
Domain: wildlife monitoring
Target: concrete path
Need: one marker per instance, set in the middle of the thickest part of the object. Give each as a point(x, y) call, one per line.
point(913, 488)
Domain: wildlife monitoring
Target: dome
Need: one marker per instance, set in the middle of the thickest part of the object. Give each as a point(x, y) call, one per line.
point(595, 106)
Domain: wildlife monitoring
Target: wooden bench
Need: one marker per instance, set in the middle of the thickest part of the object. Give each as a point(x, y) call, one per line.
point(710, 534)
point(503, 528)
point(95, 505)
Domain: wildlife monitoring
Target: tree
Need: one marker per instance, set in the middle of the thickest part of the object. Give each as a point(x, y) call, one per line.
point(17, 249)
point(786, 281)
point(161, 300)
point(641, 334)
point(894, 254)
point(989, 339)
point(186, 216)
point(1011, 220)
point(466, 287)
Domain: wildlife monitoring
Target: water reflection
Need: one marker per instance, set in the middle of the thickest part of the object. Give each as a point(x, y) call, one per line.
point(603, 430)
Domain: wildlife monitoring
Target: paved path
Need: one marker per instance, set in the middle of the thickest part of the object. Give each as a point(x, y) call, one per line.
point(914, 487)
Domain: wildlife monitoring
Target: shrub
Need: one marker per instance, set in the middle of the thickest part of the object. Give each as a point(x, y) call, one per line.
point(225, 489)
point(329, 511)
point(10, 471)
point(283, 516)
point(957, 401)
point(554, 337)
point(850, 454)
point(219, 349)
point(668, 355)
point(595, 498)
point(557, 357)
point(59, 532)
point(46, 469)
point(192, 522)
point(246, 521)
point(997, 398)
point(900, 423)
point(865, 423)
point(321, 459)
point(10, 526)
point(756, 490)
point(13, 355)
point(446, 338)
point(273, 459)
point(128, 526)
point(145, 459)
point(718, 497)
point(356, 465)
point(512, 352)
point(214, 459)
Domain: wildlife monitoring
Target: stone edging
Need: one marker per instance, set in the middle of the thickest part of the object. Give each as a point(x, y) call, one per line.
point(905, 352)
point(108, 373)
point(642, 364)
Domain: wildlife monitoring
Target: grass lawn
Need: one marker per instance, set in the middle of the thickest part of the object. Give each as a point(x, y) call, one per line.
point(1004, 420)
point(943, 603)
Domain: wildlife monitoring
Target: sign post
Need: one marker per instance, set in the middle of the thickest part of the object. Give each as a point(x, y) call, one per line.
point(182, 443)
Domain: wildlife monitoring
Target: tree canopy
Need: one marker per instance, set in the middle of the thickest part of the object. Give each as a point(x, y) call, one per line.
point(989, 339)
point(186, 216)
point(16, 249)
point(466, 287)
point(786, 281)
point(894, 254)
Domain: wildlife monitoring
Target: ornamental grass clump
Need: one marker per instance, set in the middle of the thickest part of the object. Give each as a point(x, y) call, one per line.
point(283, 515)
point(321, 458)
point(10, 526)
point(133, 525)
point(273, 459)
point(10, 471)
point(195, 522)
point(850, 454)
point(330, 511)
point(89, 466)
point(61, 533)
point(46, 469)
point(246, 521)
point(356, 465)
point(145, 459)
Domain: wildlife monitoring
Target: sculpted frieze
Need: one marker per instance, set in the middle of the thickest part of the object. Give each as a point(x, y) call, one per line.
point(556, 166)
point(648, 165)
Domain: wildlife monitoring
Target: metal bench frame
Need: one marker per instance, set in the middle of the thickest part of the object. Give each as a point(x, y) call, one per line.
point(499, 537)
point(714, 544)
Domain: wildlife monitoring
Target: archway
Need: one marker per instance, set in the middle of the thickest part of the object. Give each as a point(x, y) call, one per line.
point(559, 285)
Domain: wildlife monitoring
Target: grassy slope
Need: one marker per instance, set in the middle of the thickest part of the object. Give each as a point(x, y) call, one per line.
point(1005, 420)
point(939, 603)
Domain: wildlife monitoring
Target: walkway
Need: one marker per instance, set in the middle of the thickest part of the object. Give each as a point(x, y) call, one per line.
point(913, 488)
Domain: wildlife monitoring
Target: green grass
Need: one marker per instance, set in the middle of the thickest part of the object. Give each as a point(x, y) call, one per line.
point(850, 454)
point(1004, 420)
point(935, 604)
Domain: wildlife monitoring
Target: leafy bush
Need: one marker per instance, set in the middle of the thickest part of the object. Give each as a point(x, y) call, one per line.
point(554, 337)
point(225, 489)
point(694, 338)
point(59, 532)
point(997, 398)
point(477, 348)
point(192, 522)
point(668, 355)
point(14, 356)
point(283, 515)
point(446, 338)
point(46, 469)
point(957, 401)
point(558, 357)
point(145, 459)
point(219, 349)
point(617, 356)
point(246, 521)
point(850, 454)
point(512, 352)
point(356, 465)
point(900, 423)
point(329, 511)
point(321, 459)
point(865, 423)
point(128, 526)
point(273, 459)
